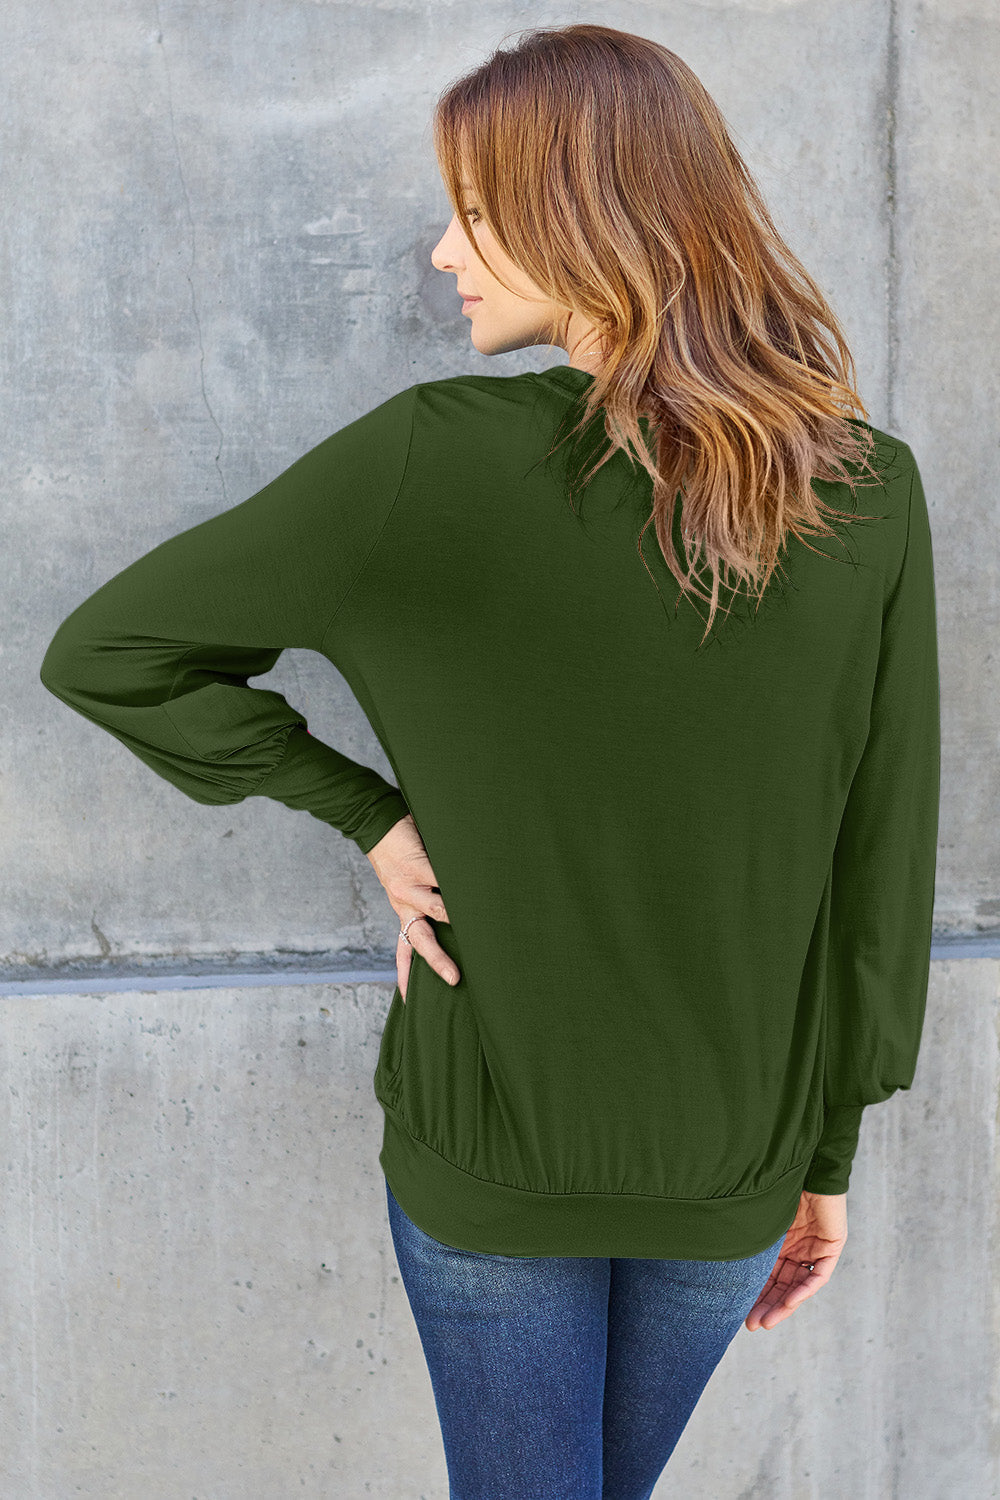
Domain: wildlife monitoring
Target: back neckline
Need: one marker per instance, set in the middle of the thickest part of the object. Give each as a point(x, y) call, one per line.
point(574, 378)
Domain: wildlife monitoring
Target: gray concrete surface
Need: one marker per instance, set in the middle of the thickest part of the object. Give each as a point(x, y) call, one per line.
point(202, 1299)
point(218, 223)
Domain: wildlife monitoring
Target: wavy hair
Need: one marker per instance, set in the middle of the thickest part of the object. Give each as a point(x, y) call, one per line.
point(607, 174)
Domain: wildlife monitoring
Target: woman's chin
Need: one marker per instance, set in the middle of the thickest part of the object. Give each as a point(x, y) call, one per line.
point(483, 344)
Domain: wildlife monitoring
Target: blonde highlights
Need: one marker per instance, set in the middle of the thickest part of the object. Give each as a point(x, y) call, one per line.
point(607, 174)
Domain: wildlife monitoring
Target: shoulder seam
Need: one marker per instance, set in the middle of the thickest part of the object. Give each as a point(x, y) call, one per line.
point(413, 392)
point(906, 544)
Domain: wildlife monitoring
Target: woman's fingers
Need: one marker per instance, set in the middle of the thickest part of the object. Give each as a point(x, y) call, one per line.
point(413, 895)
point(421, 936)
point(403, 958)
point(789, 1285)
point(401, 863)
point(426, 897)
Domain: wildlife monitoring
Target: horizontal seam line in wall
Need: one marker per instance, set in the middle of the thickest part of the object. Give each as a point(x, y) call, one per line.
point(185, 977)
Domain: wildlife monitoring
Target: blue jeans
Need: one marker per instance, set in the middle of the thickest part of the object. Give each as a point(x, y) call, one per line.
point(567, 1378)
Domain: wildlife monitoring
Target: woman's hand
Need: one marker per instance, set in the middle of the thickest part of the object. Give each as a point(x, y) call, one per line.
point(817, 1236)
point(400, 861)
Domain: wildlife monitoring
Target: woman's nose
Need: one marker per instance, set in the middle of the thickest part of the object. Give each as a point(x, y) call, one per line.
point(443, 256)
point(442, 263)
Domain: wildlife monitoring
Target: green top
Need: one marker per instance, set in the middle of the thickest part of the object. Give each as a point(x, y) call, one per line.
point(690, 886)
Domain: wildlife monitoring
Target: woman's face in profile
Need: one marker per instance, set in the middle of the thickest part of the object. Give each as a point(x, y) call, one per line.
point(501, 320)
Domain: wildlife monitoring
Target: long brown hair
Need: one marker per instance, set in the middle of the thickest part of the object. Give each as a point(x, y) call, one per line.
point(607, 174)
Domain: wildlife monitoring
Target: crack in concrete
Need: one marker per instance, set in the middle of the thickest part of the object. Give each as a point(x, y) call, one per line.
point(191, 264)
point(102, 941)
point(359, 907)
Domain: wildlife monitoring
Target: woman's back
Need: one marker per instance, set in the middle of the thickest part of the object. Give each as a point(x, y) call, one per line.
point(689, 881)
point(669, 878)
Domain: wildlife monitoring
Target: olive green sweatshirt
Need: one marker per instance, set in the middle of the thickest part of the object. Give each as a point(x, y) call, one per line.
point(690, 883)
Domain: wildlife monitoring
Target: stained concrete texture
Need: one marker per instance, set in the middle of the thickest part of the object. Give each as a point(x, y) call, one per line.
point(218, 223)
point(201, 1296)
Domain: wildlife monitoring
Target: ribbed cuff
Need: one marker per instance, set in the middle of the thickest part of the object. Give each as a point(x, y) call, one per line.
point(830, 1168)
point(385, 814)
point(352, 798)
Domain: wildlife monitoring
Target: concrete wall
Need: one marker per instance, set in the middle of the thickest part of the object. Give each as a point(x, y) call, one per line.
point(218, 223)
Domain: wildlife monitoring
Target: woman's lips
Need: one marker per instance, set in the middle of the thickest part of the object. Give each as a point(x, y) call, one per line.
point(470, 302)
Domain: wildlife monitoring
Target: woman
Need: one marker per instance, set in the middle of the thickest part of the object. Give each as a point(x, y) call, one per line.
point(664, 875)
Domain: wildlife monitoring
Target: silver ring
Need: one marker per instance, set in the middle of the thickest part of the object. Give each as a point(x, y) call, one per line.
point(402, 930)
